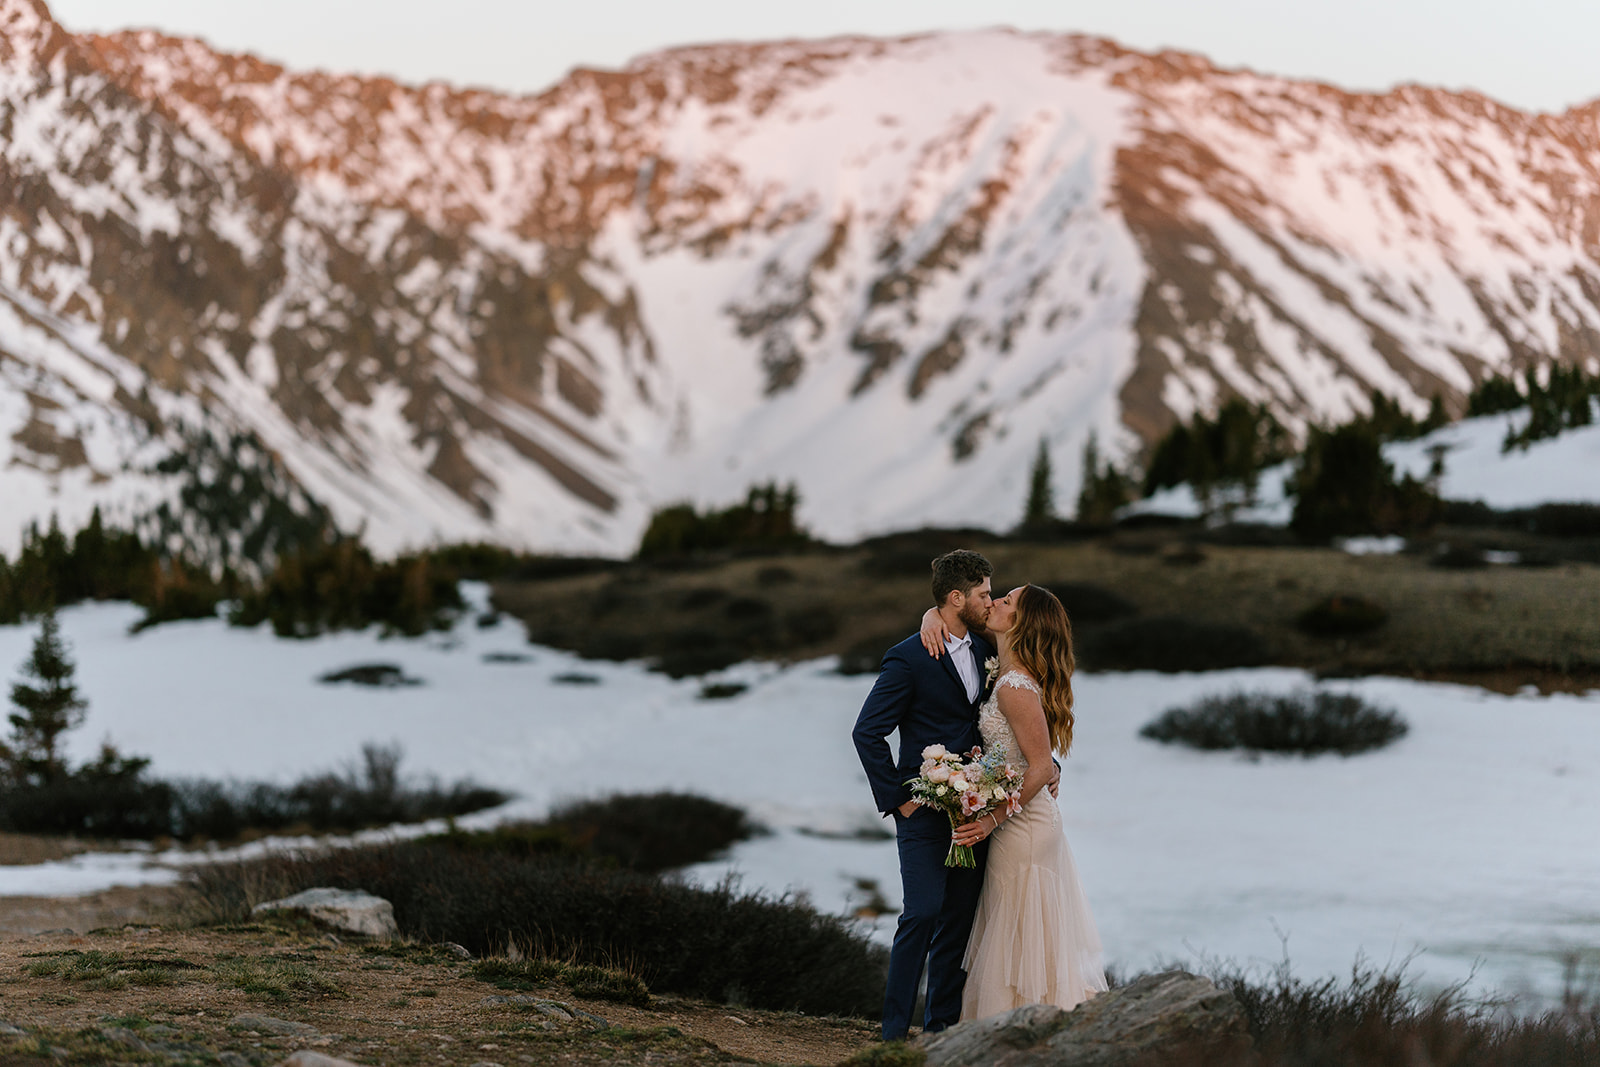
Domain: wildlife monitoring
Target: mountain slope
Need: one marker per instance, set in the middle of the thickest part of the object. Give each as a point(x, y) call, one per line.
point(883, 269)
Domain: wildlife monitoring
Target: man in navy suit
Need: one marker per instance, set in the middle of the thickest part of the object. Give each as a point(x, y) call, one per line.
point(930, 702)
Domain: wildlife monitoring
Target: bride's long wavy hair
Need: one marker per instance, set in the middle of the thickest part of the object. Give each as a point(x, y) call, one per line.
point(1041, 644)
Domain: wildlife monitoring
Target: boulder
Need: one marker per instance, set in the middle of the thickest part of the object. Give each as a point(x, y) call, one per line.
point(307, 1058)
point(1170, 1017)
point(350, 910)
point(266, 1024)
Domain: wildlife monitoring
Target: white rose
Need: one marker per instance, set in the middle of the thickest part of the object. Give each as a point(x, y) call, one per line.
point(998, 793)
point(959, 784)
point(933, 752)
point(941, 791)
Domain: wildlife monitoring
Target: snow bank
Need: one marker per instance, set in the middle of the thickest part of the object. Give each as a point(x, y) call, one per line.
point(1473, 839)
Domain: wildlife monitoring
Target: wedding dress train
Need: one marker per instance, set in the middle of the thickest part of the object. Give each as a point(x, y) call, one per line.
point(1033, 941)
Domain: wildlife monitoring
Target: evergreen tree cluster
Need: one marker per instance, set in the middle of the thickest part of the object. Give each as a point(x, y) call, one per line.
point(765, 521)
point(1563, 400)
point(339, 586)
point(1342, 484)
point(239, 508)
point(1104, 488)
point(331, 585)
point(104, 563)
point(1243, 440)
point(1344, 487)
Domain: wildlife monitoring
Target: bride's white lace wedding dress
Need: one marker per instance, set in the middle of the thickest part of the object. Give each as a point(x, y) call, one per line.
point(1034, 941)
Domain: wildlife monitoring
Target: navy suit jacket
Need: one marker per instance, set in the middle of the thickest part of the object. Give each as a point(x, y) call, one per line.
point(924, 699)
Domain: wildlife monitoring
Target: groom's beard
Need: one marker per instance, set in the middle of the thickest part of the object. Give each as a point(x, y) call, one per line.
point(974, 618)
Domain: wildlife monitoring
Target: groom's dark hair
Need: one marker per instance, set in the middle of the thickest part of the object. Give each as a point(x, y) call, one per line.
point(959, 571)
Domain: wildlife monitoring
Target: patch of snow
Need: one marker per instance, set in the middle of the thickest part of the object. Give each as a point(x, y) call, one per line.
point(1471, 840)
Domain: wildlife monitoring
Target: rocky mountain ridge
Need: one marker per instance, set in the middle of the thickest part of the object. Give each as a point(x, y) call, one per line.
point(882, 269)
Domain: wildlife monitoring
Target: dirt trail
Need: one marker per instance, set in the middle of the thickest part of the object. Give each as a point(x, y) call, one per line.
point(150, 994)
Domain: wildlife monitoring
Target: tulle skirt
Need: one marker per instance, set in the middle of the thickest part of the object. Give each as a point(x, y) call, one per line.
point(1033, 941)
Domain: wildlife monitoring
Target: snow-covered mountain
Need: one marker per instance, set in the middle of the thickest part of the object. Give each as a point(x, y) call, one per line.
point(883, 269)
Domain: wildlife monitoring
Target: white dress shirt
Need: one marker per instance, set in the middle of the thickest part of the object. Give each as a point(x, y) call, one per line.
point(965, 661)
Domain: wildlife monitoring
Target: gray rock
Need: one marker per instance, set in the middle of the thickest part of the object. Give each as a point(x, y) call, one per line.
point(307, 1058)
point(349, 910)
point(1156, 1017)
point(121, 1035)
point(460, 952)
point(519, 999)
point(10, 1030)
point(555, 1009)
point(266, 1024)
point(233, 1059)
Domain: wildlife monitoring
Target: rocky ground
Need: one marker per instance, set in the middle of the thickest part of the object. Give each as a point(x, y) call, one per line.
point(252, 995)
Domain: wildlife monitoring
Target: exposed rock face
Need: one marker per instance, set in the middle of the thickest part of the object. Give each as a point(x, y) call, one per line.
point(880, 268)
point(343, 909)
point(1162, 1018)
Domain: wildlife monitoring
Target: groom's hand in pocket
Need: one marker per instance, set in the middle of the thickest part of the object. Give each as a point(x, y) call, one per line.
point(909, 808)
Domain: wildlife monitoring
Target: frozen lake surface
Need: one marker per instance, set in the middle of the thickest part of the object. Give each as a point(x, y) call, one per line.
point(1474, 842)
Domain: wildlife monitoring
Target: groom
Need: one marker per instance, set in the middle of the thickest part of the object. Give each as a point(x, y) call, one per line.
point(930, 702)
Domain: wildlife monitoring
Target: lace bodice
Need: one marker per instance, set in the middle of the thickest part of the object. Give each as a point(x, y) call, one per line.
point(992, 722)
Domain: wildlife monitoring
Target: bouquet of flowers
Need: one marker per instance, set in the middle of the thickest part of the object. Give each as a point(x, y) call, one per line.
point(966, 787)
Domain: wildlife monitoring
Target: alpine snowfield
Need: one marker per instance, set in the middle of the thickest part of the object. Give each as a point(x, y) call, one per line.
point(881, 269)
point(1472, 841)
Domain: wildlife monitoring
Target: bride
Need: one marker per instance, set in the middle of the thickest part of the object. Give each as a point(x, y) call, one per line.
point(1033, 941)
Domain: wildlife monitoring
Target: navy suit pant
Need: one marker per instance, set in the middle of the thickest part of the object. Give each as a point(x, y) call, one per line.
point(940, 903)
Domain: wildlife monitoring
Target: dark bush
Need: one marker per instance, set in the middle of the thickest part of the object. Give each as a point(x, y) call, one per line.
point(112, 798)
point(1376, 1019)
point(1169, 644)
point(584, 979)
point(748, 609)
point(910, 553)
point(654, 832)
point(776, 574)
point(721, 690)
point(692, 660)
point(866, 656)
point(1565, 520)
point(646, 833)
point(811, 625)
point(1090, 603)
point(714, 943)
point(1458, 557)
point(701, 597)
point(1303, 723)
point(603, 644)
point(373, 675)
point(766, 521)
point(898, 563)
point(1342, 616)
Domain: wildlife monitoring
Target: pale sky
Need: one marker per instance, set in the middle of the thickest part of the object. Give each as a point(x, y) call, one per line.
point(1535, 54)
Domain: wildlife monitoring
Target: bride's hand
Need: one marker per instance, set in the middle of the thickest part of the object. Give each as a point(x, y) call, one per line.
point(970, 833)
point(934, 633)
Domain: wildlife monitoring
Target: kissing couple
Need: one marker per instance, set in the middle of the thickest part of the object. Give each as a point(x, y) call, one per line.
point(1016, 928)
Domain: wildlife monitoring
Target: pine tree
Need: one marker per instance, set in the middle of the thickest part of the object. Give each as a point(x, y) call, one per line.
point(48, 706)
point(1104, 490)
point(1041, 506)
